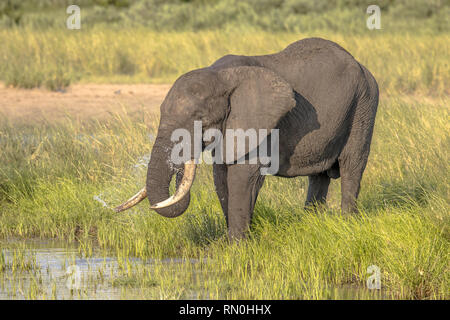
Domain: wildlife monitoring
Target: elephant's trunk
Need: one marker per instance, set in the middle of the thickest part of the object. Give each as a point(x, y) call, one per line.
point(159, 175)
point(183, 187)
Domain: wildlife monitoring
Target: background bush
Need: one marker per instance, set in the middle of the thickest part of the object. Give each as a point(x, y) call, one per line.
point(270, 15)
point(156, 40)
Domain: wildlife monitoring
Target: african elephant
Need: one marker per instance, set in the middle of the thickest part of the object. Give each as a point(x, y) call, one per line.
point(322, 101)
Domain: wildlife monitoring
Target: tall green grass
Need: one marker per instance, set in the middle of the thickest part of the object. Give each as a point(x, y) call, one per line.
point(54, 58)
point(49, 176)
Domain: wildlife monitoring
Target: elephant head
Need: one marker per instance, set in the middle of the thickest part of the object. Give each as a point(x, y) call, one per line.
point(240, 97)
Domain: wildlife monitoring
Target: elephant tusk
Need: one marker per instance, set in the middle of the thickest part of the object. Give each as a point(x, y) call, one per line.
point(134, 200)
point(184, 187)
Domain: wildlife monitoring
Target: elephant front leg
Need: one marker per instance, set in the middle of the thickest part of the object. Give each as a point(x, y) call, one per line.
point(244, 183)
point(220, 182)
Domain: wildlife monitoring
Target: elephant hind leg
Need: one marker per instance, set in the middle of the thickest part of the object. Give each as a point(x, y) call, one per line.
point(353, 158)
point(318, 189)
point(333, 172)
point(351, 168)
point(352, 163)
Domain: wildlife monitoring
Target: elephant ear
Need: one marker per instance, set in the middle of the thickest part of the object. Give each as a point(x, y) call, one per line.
point(259, 98)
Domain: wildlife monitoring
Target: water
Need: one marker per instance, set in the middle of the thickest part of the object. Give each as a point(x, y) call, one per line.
point(54, 261)
point(61, 271)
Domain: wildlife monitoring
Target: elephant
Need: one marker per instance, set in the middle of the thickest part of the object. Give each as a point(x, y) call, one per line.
point(322, 101)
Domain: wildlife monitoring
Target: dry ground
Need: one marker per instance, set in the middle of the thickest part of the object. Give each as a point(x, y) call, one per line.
point(100, 101)
point(79, 101)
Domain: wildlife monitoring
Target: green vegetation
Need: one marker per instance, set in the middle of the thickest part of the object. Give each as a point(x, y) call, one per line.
point(20, 260)
point(156, 41)
point(53, 58)
point(347, 16)
point(50, 174)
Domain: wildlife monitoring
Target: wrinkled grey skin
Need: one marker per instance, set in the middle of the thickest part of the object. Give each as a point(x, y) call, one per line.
point(320, 98)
